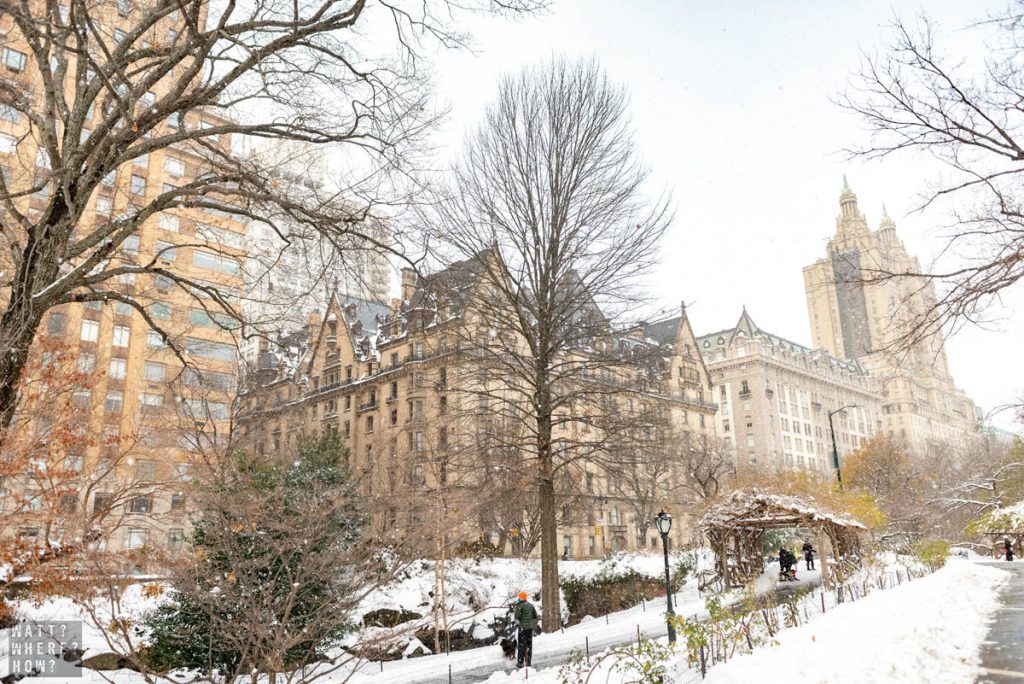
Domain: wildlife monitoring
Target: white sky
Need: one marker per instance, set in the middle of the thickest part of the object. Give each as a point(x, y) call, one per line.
point(731, 106)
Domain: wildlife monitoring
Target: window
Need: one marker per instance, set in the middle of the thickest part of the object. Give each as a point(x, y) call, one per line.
point(130, 244)
point(417, 441)
point(86, 362)
point(174, 166)
point(166, 251)
point(141, 504)
point(119, 35)
point(162, 283)
point(369, 424)
point(160, 310)
point(82, 398)
point(104, 205)
point(206, 125)
point(172, 35)
point(136, 538)
point(170, 222)
point(155, 340)
point(123, 7)
point(174, 120)
point(750, 440)
point(138, 185)
point(175, 538)
point(148, 98)
point(149, 401)
point(141, 160)
point(221, 237)
point(215, 262)
point(114, 402)
point(42, 158)
point(90, 331)
point(8, 143)
point(56, 323)
point(122, 334)
point(177, 501)
point(210, 350)
point(9, 113)
point(210, 319)
point(13, 60)
point(154, 372)
point(118, 368)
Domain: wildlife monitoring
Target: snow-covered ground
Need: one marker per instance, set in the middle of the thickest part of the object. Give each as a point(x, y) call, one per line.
point(928, 630)
point(921, 632)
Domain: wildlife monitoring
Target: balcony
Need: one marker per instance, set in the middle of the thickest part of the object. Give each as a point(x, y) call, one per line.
point(368, 406)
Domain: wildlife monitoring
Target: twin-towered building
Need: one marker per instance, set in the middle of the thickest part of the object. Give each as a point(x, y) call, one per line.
point(863, 308)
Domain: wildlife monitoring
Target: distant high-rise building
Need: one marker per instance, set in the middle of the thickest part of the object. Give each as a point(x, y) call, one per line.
point(860, 310)
point(291, 269)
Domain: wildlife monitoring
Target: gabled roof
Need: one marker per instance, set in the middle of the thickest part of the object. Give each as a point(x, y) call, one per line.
point(746, 328)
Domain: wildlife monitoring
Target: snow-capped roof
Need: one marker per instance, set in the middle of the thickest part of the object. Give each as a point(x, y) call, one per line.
point(763, 509)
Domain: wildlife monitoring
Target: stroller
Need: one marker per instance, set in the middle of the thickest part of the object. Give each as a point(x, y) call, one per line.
point(787, 566)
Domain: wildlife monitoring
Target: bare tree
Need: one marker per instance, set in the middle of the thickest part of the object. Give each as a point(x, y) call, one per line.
point(548, 203)
point(916, 100)
point(55, 513)
point(94, 88)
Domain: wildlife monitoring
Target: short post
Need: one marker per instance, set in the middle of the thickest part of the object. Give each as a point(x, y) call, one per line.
point(587, 644)
point(826, 576)
point(449, 673)
point(663, 521)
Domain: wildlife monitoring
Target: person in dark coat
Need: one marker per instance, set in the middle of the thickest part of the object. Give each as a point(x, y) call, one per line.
point(786, 560)
point(525, 615)
point(1008, 547)
point(808, 555)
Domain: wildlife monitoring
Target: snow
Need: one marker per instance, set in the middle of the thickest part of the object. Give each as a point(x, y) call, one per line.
point(928, 630)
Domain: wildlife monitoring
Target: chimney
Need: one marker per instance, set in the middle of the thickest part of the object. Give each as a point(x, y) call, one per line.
point(408, 283)
point(314, 325)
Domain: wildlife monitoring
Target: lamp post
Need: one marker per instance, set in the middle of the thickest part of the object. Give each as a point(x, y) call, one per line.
point(835, 449)
point(663, 521)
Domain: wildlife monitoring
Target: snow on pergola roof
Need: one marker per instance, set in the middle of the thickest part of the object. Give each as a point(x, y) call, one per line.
point(762, 510)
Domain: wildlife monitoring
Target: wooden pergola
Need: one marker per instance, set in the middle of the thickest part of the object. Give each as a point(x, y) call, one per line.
point(735, 527)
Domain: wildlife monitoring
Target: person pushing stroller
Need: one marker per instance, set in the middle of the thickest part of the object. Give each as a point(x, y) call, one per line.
point(787, 563)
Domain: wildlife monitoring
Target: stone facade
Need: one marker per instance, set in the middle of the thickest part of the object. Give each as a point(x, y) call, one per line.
point(408, 390)
point(858, 313)
point(774, 397)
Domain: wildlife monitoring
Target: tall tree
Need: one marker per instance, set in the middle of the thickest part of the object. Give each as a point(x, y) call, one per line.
point(92, 88)
point(548, 200)
point(965, 113)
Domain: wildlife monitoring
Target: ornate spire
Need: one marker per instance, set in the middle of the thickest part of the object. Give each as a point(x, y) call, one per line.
point(848, 201)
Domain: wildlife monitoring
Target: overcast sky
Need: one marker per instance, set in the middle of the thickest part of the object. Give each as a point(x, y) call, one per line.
point(731, 102)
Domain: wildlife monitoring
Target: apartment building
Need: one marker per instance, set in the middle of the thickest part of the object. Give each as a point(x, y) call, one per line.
point(152, 415)
point(423, 412)
point(775, 397)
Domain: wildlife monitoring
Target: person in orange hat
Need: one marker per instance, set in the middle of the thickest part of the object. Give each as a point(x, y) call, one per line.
point(525, 615)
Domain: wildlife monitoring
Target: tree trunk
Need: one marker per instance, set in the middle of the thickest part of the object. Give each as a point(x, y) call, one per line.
point(550, 597)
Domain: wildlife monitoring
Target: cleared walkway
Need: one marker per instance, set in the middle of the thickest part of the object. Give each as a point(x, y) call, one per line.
point(1002, 653)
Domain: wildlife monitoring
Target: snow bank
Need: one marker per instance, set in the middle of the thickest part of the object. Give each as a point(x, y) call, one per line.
point(928, 630)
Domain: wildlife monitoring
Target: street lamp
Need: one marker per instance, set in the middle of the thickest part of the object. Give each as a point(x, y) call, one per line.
point(835, 449)
point(663, 521)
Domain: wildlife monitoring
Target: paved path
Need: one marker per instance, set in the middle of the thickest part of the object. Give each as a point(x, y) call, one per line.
point(1002, 653)
point(545, 657)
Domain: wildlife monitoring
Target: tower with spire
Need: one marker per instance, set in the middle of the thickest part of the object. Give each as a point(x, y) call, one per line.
point(860, 310)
